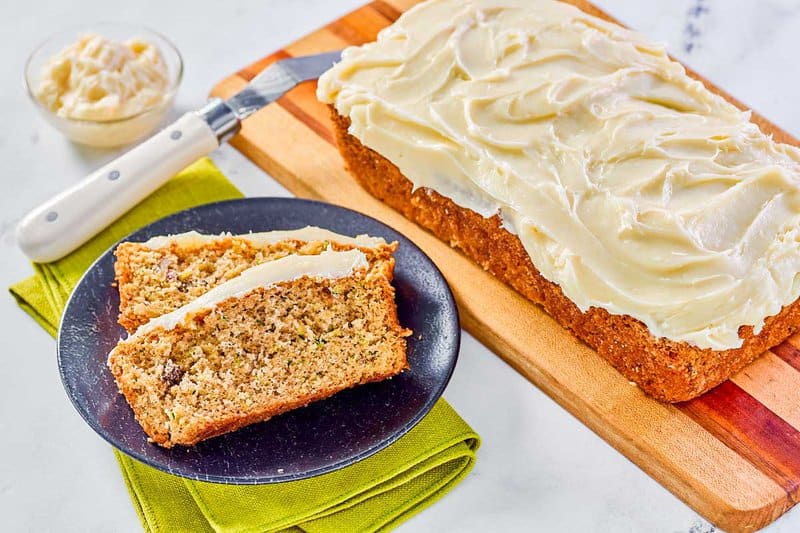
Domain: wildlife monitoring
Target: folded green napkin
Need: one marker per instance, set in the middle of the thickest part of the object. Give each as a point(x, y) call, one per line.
point(374, 494)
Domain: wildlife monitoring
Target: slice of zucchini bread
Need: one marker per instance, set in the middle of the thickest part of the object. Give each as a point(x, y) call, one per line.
point(279, 336)
point(164, 273)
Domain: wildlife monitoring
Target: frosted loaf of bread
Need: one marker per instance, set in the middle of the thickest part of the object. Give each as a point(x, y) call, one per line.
point(630, 185)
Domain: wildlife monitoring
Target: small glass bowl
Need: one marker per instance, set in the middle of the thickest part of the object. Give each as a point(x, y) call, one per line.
point(108, 133)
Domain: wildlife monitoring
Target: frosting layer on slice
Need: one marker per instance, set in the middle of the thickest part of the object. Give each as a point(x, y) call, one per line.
point(631, 186)
point(307, 234)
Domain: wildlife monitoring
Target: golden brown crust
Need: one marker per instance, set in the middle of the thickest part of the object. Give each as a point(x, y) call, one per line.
point(234, 422)
point(666, 370)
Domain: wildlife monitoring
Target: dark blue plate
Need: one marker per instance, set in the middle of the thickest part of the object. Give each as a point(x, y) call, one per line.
point(319, 438)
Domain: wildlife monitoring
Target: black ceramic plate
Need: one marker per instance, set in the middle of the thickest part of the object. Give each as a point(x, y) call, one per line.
point(319, 438)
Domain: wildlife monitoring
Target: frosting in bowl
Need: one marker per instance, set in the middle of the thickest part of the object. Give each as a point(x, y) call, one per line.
point(101, 79)
point(630, 185)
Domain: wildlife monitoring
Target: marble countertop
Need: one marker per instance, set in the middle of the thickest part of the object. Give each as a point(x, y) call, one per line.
point(539, 468)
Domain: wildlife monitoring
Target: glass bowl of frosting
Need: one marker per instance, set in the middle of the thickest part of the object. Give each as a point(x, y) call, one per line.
point(106, 85)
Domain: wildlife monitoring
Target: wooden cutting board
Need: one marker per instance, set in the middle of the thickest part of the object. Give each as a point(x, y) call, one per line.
point(733, 454)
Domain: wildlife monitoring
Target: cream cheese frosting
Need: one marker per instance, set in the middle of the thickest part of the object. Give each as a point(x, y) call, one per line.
point(306, 234)
point(102, 79)
point(630, 185)
point(328, 264)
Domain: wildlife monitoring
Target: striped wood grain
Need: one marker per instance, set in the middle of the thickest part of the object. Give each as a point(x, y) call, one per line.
point(732, 454)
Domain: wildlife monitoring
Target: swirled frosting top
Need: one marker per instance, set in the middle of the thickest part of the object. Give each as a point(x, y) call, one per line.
point(630, 185)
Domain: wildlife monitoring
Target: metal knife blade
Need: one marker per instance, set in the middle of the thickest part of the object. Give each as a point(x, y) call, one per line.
point(277, 79)
point(224, 117)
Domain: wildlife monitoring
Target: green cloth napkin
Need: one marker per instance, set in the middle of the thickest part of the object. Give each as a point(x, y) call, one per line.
point(374, 494)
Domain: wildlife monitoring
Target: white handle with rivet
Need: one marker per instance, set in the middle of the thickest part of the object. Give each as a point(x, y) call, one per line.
point(63, 223)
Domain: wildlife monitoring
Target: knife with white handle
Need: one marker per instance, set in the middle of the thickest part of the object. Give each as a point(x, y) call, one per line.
point(66, 221)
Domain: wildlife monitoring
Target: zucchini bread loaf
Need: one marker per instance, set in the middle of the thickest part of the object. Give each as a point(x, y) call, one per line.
point(164, 273)
point(278, 336)
point(578, 163)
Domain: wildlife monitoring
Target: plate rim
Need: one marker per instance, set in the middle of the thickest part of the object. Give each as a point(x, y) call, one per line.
point(455, 326)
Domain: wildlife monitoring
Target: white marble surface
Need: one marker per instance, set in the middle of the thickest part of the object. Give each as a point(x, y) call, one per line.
point(539, 468)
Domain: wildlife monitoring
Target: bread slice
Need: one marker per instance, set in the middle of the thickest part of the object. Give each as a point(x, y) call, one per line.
point(164, 273)
point(279, 336)
point(666, 370)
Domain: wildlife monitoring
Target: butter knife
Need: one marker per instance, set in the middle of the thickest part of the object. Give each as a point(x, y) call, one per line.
point(71, 218)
